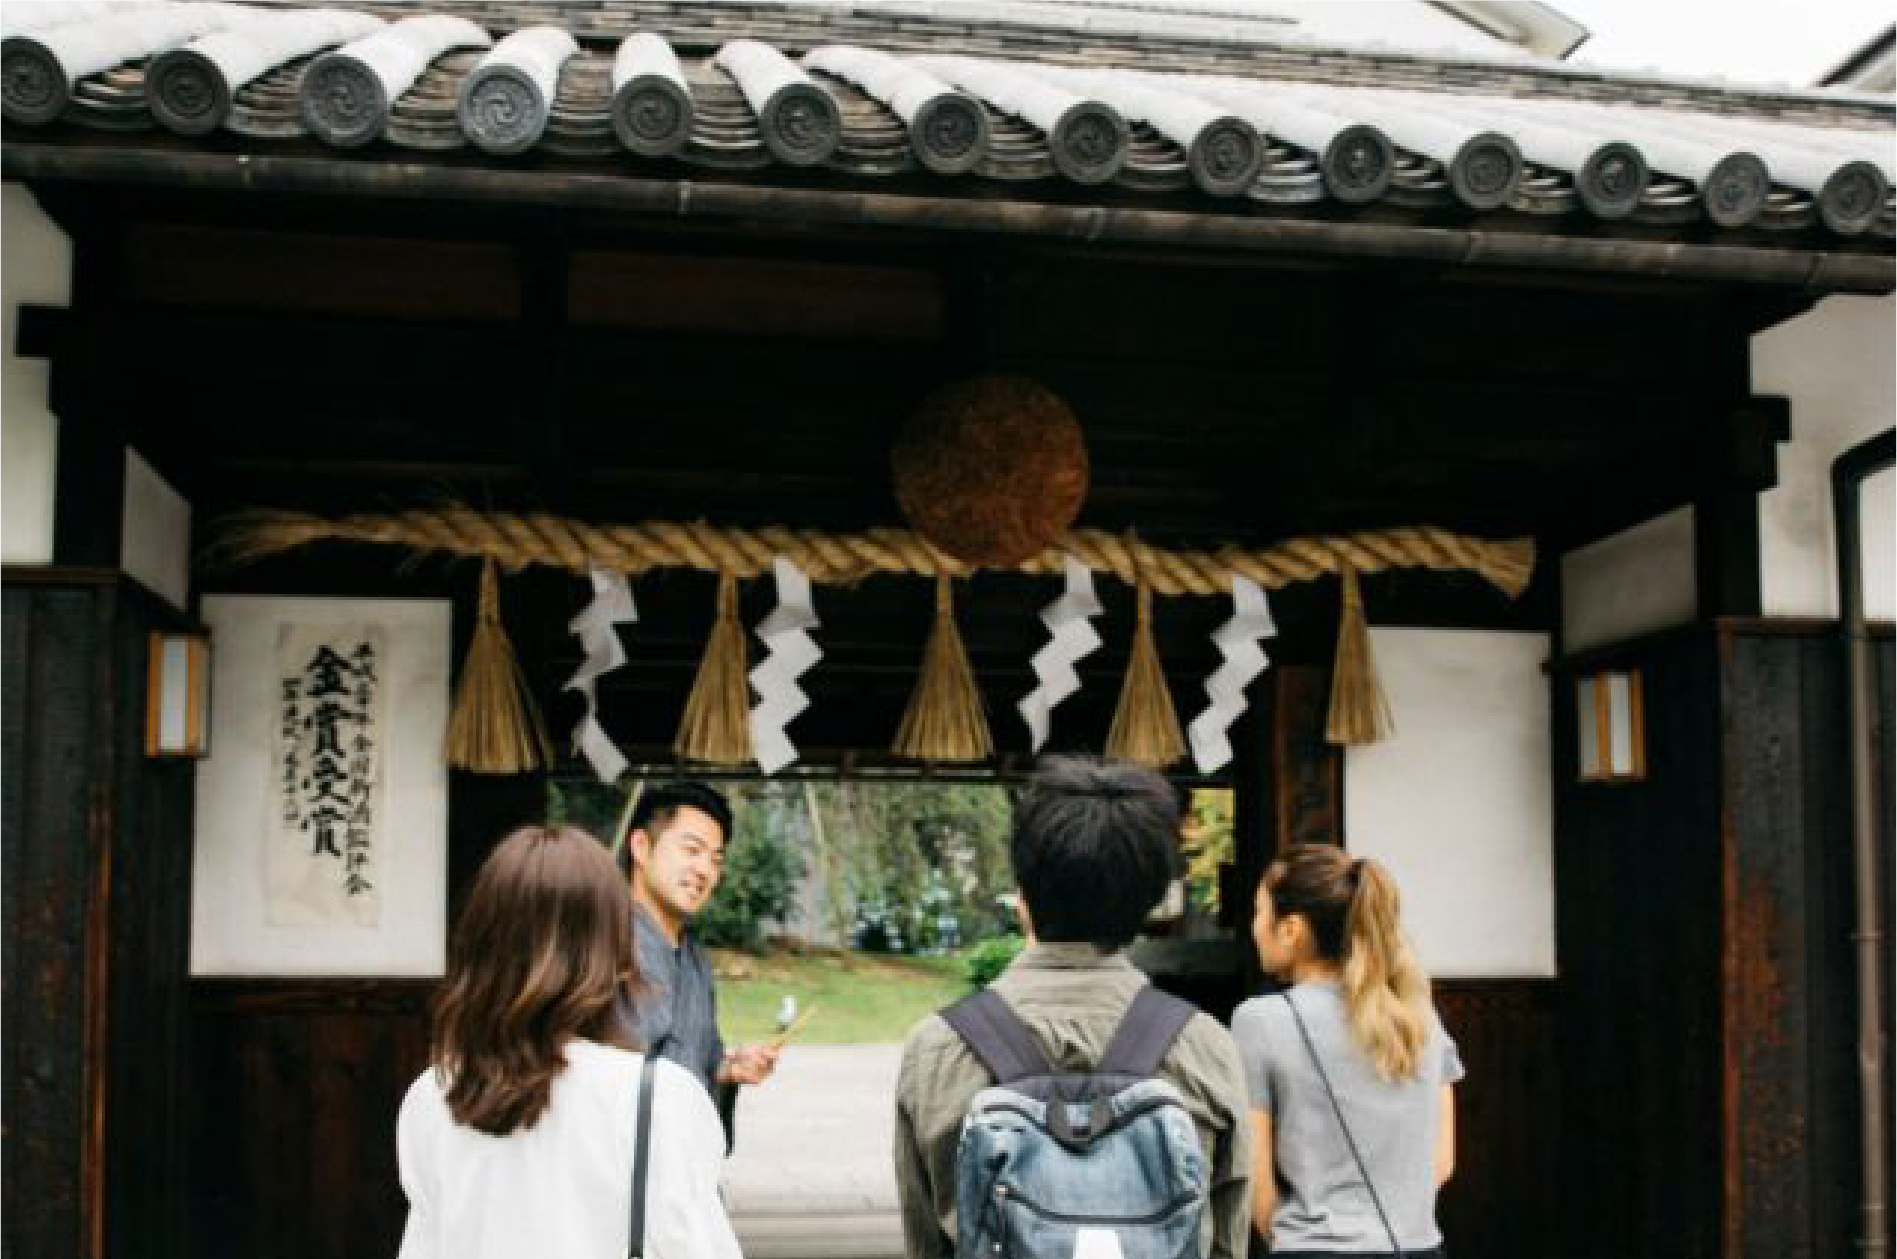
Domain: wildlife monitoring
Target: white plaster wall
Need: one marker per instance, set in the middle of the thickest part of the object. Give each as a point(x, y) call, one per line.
point(1637, 581)
point(230, 929)
point(35, 266)
point(1458, 804)
point(1835, 363)
point(155, 537)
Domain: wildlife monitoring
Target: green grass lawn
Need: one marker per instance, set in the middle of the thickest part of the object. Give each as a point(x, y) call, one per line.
point(860, 997)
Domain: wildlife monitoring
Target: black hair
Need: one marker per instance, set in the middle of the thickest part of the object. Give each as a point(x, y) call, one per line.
point(662, 800)
point(1095, 843)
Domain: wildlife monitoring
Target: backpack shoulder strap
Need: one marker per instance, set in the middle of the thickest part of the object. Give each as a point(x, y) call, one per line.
point(1146, 1033)
point(996, 1035)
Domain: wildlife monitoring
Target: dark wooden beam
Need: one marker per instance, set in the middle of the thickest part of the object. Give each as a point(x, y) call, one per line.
point(419, 179)
point(89, 480)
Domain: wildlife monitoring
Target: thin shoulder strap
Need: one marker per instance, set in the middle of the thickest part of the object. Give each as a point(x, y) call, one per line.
point(1146, 1033)
point(997, 1036)
point(1375, 1201)
point(641, 1145)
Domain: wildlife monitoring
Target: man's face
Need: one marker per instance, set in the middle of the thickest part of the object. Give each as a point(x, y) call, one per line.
point(679, 865)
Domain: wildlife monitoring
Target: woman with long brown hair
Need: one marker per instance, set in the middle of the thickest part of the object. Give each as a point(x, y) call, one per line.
point(518, 1140)
point(1349, 1069)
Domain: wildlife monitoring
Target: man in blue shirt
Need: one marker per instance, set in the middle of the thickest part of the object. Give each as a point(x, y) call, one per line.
point(676, 848)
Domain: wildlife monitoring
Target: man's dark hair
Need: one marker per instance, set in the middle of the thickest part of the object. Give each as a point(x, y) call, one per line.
point(1095, 843)
point(662, 800)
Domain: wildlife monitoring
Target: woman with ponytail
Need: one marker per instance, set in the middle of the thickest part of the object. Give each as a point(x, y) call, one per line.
point(1348, 1069)
point(518, 1140)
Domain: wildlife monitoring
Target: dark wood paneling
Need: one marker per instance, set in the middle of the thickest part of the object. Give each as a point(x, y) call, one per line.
point(147, 956)
point(97, 850)
point(1637, 890)
point(737, 375)
point(294, 1093)
point(1308, 770)
point(51, 638)
point(1704, 937)
point(412, 278)
point(1506, 1197)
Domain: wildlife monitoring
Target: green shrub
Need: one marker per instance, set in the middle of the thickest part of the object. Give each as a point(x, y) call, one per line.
point(761, 875)
point(988, 959)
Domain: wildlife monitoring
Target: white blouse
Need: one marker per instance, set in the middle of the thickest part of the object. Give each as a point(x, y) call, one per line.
point(564, 1186)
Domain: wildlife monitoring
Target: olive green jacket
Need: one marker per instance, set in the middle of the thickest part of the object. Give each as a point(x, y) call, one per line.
point(1072, 997)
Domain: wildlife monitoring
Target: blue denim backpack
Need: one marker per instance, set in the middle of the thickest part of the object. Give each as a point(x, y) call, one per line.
point(1046, 1156)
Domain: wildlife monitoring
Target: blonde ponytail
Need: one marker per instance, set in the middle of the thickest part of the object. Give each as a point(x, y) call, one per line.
point(1386, 993)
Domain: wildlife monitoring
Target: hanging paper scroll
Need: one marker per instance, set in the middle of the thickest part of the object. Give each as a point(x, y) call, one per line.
point(321, 858)
point(1244, 660)
point(320, 840)
point(790, 652)
point(1072, 637)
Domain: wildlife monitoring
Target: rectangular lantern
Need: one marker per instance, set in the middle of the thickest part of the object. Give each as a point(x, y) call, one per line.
point(1613, 739)
point(178, 695)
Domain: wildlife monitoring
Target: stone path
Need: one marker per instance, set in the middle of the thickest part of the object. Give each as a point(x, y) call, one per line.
point(812, 1177)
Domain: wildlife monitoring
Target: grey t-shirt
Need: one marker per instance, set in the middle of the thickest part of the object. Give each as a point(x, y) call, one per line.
point(1322, 1203)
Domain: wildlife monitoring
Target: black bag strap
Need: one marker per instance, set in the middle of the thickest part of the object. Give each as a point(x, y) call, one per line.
point(641, 1145)
point(1146, 1034)
point(1375, 1201)
point(996, 1035)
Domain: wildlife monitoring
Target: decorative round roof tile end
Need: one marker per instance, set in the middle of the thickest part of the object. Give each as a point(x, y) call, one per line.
point(1089, 143)
point(501, 110)
point(1853, 198)
point(1225, 157)
point(801, 124)
point(950, 133)
point(342, 102)
point(1486, 171)
point(1358, 164)
point(652, 116)
point(187, 92)
point(1735, 190)
point(33, 87)
point(1612, 180)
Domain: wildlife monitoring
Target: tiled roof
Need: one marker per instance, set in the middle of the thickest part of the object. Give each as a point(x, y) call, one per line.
point(937, 91)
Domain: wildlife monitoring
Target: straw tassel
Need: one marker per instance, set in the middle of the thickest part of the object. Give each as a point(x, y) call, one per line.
point(944, 720)
point(1360, 713)
point(1145, 726)
point(495, 727)
point(716, 727)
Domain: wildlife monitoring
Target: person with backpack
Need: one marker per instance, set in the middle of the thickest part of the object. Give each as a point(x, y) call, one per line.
point(1349, 1071)
point(1071, 1110)
point(538, 1129)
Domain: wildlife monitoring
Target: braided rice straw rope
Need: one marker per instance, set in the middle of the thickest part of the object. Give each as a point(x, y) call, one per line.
point(516, 540)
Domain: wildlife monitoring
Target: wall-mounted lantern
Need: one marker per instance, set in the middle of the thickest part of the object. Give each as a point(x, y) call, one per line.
point(178, 695)
point(1613, 738)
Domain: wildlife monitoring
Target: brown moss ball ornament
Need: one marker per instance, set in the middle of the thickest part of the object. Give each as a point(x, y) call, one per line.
point(992, 469)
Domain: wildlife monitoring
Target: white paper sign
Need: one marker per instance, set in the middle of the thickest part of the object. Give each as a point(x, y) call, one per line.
point(268, 894)
point(320, 861)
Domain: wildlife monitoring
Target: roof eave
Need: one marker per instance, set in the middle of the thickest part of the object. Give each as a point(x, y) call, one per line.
point(1807, 271)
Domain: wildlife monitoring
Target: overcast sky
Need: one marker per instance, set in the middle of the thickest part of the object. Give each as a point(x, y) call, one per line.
point(1755, 42)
